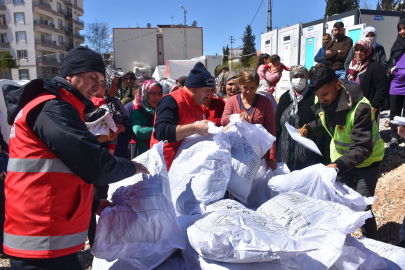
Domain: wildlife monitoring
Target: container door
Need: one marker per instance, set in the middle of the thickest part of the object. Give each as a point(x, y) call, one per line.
point(287, 50)
point(309, 52)
point(354, 32)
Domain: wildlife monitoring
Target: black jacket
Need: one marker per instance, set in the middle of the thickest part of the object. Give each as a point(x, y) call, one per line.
point(375, 84)
point(59, 126)
point(362, 132)
point(306, 115)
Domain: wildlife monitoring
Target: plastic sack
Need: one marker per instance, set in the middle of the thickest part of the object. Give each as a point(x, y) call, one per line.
point(102, 125)
point(142, 228)
point(373, 260)
point(393, 256)
point(351, 259)
point(319, 181)
point(241, 236)
point(250, 142)
point(200, 172)
point(260, 191)
point(223, 205)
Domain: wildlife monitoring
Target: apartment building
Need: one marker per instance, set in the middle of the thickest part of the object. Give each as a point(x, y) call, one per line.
point(38, 33)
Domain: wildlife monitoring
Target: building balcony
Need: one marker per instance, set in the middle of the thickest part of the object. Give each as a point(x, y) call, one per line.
point(46, 75)
point(78, 36)
point(46, 26)
point(4, 45)
point(46, 61)
point(43, 44)
point(42, 7)
point(3, 26)
point(79, 22)
point(2, 5)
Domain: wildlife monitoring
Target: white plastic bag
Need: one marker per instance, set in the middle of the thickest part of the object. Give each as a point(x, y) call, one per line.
point(102, 125)
point(319, 181)
point(241, 236)
point(393, 256)
point(373, 260)
point(142, 228)
point(250, 142)
point(260, 191)
point(351, 259)
point(223, 205)
point(200, 172)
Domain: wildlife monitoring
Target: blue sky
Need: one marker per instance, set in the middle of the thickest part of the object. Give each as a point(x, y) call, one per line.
point(219, 19)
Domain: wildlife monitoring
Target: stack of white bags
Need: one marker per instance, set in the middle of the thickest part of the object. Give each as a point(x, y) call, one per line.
point(281, 219)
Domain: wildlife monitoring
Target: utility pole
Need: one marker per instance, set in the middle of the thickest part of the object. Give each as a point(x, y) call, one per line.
point(185, 34)
point(172, 17)
point(269, 18)
point(230, 53)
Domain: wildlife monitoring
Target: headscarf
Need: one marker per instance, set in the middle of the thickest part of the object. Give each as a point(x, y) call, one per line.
point(182, 80)
point(218, 69)
point(399, 44)
point(358, 67)
point(296, 98)
point(119, 113)
point(168, 85)
point(370, 29)
point(143, 95)
point(226, 77)
point(123, 90)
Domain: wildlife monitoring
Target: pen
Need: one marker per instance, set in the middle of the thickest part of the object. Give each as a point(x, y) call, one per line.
point(303, 127)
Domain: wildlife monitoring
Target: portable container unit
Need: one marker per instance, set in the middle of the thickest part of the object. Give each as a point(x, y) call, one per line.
point(311, 42)
point(289, 52)
point(269, 42)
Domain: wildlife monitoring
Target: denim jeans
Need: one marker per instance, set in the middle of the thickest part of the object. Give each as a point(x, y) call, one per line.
point(402, 232)
point(364, 181)
point(341, 73)
point(68, 262)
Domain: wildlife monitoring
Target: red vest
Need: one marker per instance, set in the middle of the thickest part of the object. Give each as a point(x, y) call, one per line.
point(48, 207)
point(189, 113)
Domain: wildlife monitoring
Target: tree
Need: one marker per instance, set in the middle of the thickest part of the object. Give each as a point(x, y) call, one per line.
point(8, 61)
point(339, 6)
point(365, 4)
point(249, 49)
point(98, 37)
point(391, 5)
point(225, 53)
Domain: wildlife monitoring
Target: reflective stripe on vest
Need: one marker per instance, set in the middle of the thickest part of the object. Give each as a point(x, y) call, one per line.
point(43, 243)
point(37, 165)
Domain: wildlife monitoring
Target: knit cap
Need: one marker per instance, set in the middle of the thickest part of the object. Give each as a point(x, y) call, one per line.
point(80, 60)
point(199, 77)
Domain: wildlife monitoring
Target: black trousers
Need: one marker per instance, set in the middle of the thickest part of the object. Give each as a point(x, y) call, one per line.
point(68, 262)
point(102, 193)
point(397, 103)
point(364, 181)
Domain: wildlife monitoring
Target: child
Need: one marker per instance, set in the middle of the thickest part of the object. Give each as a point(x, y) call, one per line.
point(274, 67)
point(100, 122)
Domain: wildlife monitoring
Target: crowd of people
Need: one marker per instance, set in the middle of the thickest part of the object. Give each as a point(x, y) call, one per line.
point(77, 133)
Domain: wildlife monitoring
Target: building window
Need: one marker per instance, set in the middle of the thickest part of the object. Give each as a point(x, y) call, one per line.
point(71, 43)
point(61, 56)
point(69, 12)
point(70, 28)
point(2, 20)
point(18, 1)
point(22, 55)
point(19, 17)
point(20, 36)
point(42, 38)
point(4, 39)
point(60, 40)
point(60, 25)
point(24, 75)
point(76, 3)
point(41, 19)
point(59, 7)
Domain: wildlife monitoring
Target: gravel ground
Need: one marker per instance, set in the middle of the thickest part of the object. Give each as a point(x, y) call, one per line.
point(389, 209)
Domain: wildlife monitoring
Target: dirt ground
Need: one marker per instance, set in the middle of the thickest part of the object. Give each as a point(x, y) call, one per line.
point(389, 209)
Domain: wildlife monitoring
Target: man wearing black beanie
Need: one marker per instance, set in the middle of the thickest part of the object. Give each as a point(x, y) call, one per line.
point(54, 162)
point(177, 112)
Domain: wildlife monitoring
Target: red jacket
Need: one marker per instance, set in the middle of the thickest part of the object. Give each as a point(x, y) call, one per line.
point(48, 207)
point(215, 111)
point(189, 113)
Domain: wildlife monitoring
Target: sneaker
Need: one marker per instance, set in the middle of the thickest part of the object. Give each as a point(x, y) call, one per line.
point(394, 143)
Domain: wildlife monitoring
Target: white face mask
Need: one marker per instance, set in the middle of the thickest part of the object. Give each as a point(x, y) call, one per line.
point(299, 83)
point(373, 40)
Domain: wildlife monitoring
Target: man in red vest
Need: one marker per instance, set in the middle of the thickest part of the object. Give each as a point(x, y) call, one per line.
point(177, 112)
point(54, 160)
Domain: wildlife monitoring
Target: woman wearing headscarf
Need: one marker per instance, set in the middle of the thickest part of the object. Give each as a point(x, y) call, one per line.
point(123, 135)
point(142, 119)
point(369, 74)
point(219, 73)
point(379, 53)
point(396, 70)
point(266, 78)
point(125, 94)
point(227, 86)
point(294, 108)
point(168, 86)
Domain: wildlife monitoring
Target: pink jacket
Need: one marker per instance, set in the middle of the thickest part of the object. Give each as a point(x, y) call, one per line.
point(262, 114)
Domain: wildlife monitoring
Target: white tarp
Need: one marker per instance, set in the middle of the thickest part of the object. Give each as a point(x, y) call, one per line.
point(393, 256)
point(178, 68)
point(142, 228)
point(319, 181)
point(373, 260)
point(249, 142)
point(200, 172)
point(159, 73)
point(241, 236)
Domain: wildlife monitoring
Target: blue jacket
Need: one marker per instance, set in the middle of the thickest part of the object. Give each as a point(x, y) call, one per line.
point(319, 57)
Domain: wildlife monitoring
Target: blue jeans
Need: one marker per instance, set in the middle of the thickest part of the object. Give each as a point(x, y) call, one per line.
point(341, 73)
point(402, 232)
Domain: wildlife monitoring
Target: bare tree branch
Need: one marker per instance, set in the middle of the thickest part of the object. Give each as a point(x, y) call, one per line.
point(98, 37)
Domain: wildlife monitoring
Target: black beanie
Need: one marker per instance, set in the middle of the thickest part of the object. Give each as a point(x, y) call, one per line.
point(80, 60)
point(199, 77)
